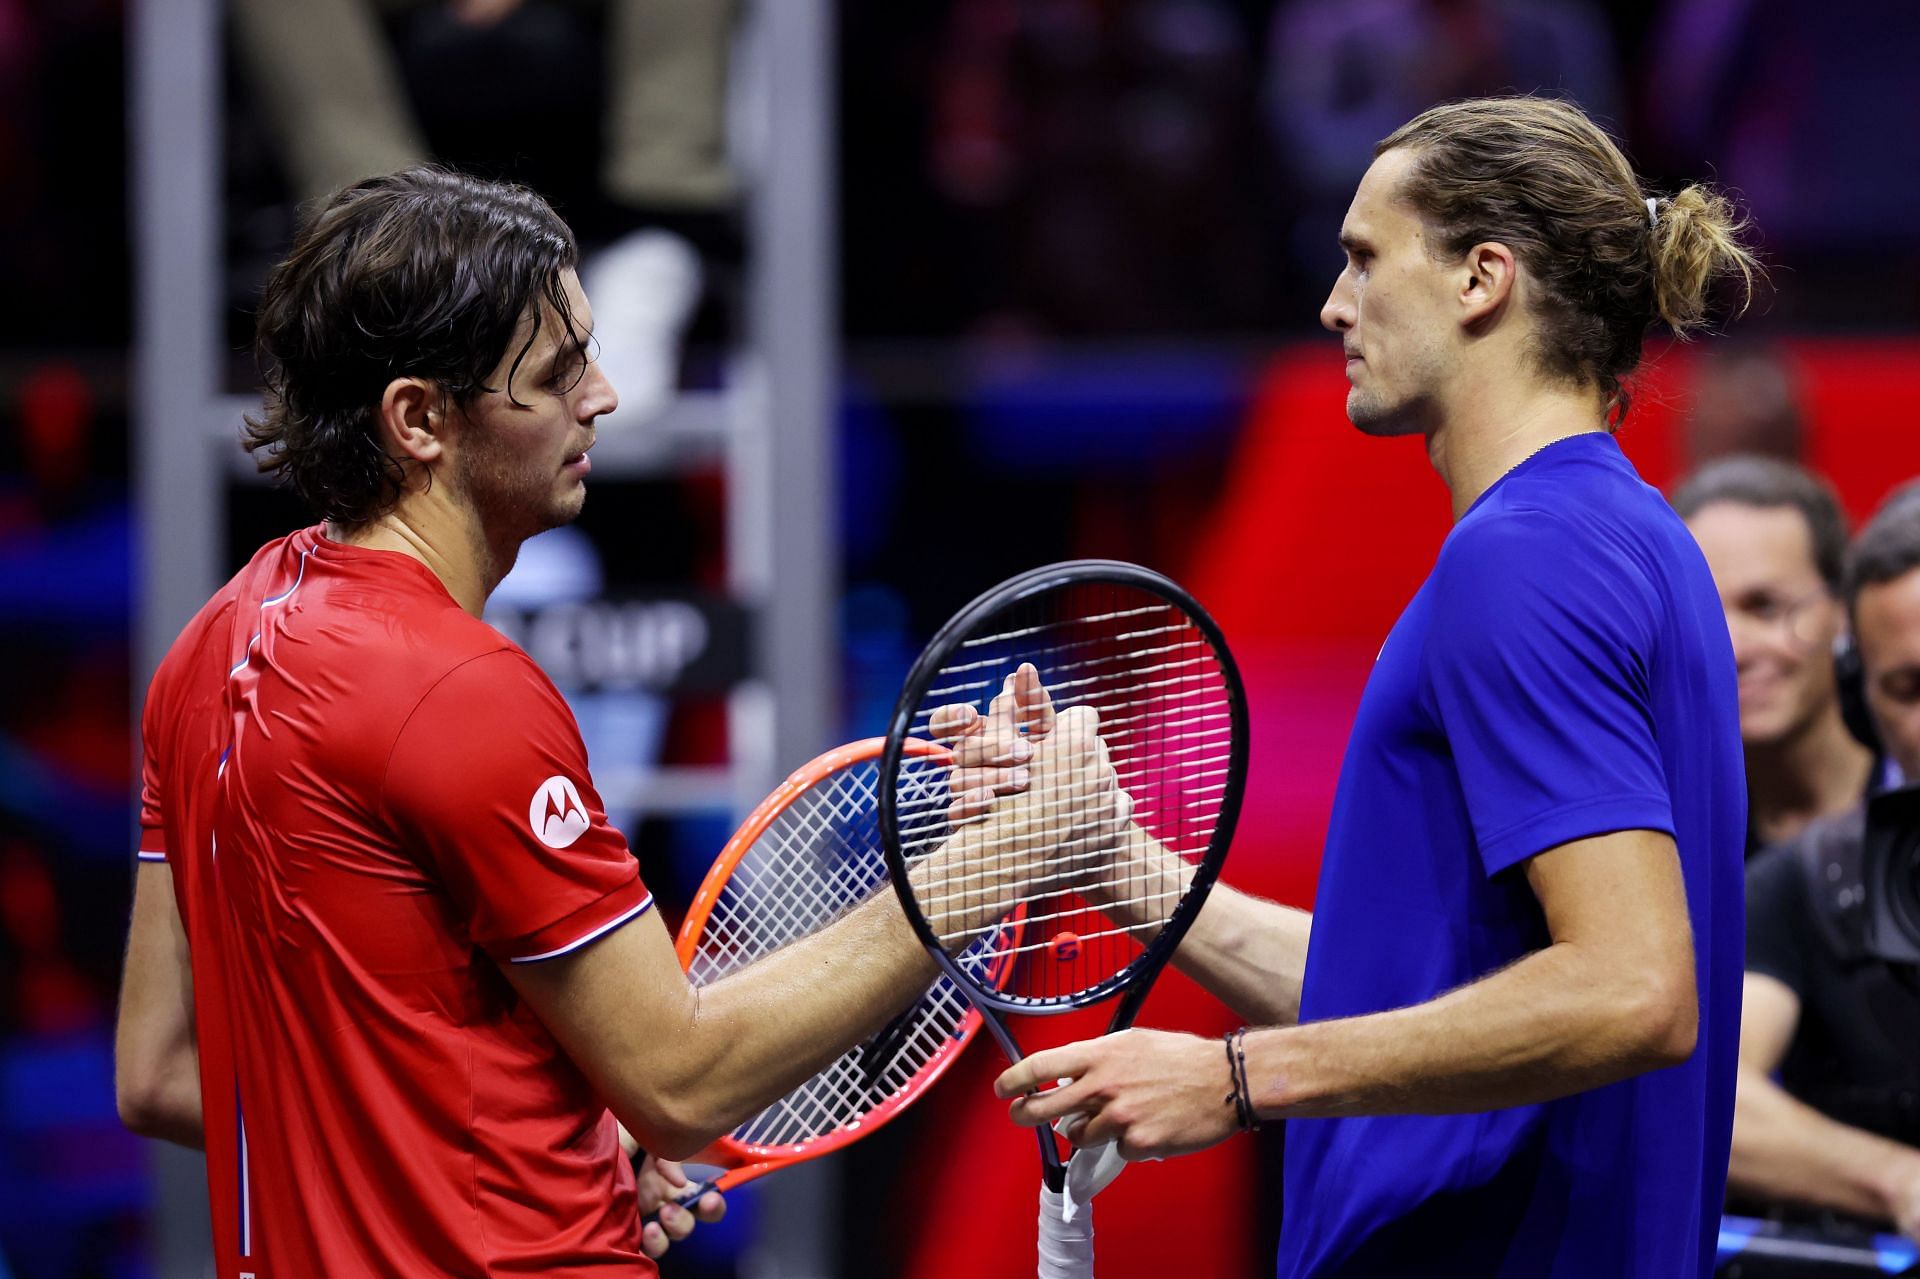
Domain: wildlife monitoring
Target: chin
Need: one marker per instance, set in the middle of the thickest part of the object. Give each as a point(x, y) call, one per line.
point(564, 510)
point(1370, 417)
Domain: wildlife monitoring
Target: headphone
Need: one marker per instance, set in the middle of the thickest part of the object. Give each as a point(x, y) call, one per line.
point(1850, 678)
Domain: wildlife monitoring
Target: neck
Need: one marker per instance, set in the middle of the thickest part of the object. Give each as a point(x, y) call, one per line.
point(1812, 772)
point(446, 536)
point(1508, 422)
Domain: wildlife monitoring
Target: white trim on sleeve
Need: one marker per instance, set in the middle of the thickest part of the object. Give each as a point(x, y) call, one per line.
point(146, 856)
point(578, 942)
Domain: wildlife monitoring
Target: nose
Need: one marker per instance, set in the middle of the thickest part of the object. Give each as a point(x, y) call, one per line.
point(1337, 313)
point(597, 396)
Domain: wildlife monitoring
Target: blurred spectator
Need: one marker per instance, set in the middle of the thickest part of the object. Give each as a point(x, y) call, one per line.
point(1775, 539)
point(1746, 399)
point(1840, 1131)
point(1106, 154)
point(337, 95)
point(1883, 597)
point(1342, 74)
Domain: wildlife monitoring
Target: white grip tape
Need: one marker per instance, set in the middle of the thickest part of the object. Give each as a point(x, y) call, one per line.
point(1066, 1246)
point(1091, 1170)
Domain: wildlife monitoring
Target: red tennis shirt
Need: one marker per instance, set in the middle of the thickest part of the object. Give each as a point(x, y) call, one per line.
point(370, 803)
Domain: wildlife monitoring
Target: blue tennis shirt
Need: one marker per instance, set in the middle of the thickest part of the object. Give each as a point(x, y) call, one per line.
point(1564, 672)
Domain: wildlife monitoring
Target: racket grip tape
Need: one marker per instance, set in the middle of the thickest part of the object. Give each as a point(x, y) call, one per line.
point(686, 1199)
point(1066, 1247)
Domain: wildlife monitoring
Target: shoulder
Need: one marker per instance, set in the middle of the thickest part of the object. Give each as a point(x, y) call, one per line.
point(1516, 561)
point(199, 653)
point(484, 682)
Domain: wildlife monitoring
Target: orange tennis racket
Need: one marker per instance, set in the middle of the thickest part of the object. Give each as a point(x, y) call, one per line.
point(808, 854)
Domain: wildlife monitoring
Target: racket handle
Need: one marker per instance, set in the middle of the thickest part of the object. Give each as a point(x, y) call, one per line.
point(1066, 1247)
point(687, 1200)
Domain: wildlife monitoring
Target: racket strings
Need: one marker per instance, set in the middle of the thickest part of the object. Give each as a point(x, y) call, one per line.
point(1083, 622)
point(816, 860)
point(839, 1096)
point(1050, 654)
point(1066, 682)
point(1166, 719)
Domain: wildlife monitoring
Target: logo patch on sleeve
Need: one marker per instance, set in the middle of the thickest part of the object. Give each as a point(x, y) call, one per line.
point(556, 814)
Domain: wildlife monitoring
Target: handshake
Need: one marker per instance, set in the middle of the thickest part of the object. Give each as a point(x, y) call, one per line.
point(1032, 807)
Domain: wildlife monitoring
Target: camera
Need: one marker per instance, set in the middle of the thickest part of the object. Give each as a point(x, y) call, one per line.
point(1890, 865)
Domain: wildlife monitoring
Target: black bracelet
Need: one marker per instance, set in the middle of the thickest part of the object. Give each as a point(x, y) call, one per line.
point(1242, 1095)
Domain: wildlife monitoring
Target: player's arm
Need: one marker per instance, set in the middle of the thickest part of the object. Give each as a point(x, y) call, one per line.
point(1611, 996)
point(1785, 1149)
point(1249, 953)
point(156, 1069)
point(681, 1065)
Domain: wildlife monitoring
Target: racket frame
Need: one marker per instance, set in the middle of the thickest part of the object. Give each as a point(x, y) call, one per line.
point(1138, 977)
point(744, 1161)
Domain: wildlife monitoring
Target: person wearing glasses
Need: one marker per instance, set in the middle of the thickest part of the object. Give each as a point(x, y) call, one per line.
point(1776, 543)
point(1827, 1100)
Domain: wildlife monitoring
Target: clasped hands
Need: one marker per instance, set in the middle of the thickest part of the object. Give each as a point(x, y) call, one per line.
point(1062, 797)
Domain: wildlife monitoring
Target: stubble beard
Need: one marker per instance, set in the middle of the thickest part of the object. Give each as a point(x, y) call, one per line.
point(1371, 416)
point(514, 501)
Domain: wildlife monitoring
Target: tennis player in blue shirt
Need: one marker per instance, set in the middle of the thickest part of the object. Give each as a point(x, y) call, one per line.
point(1508, 1049)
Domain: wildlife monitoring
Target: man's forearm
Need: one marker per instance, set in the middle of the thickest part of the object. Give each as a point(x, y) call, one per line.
point(1554, 1023)
point(156, 1053)
point(787, 1016)
point(767, 1029)
point(1785, 1149)
point(1250, 954)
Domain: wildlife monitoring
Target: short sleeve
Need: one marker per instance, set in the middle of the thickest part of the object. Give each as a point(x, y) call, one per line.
point(153, 823)
point(1539, 661)
point(1779, 922)
point(488, 783)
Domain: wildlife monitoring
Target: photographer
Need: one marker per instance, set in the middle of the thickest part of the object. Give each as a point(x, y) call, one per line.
point(1840, 1130)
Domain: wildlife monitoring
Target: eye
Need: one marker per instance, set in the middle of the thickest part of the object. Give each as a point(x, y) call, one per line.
point(1902, 686)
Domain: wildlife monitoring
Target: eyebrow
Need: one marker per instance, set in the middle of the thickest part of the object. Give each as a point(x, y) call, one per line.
point(567, 350)
point(1353, 243)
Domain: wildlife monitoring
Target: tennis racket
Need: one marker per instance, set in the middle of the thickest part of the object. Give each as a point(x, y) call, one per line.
point(1105, 894)
point(807, 855)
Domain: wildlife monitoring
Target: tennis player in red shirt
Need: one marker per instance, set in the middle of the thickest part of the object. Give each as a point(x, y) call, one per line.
point(390, 966)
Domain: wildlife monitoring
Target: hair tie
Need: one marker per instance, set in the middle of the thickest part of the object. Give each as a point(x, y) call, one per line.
point(1653, 213)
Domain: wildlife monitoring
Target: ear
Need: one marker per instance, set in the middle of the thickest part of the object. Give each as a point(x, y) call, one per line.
point(412, 418)
point(1491, 278)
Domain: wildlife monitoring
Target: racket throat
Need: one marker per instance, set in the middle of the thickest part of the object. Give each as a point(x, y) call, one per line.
point(1053, 1170)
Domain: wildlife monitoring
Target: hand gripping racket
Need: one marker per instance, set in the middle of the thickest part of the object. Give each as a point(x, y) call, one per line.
point(1126, 653)
point(808, 854)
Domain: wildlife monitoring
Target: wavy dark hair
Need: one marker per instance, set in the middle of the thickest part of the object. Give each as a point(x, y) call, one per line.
point(1539, 176)
point(423, 273)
